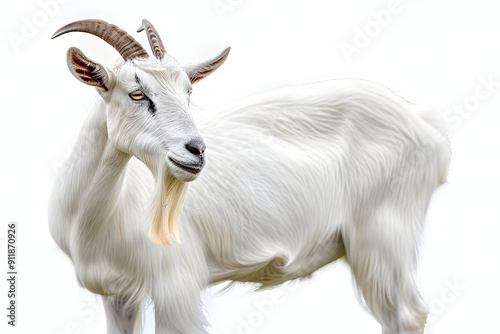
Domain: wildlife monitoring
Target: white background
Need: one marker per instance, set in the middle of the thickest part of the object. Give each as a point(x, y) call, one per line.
point(433, 53)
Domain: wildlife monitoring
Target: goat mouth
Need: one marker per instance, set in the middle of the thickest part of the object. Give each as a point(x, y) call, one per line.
point(193, 169)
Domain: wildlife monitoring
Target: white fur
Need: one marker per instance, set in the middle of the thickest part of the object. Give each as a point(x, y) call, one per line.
point(295, 179)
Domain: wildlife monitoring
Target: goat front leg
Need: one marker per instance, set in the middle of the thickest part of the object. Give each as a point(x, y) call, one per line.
point(177, 305)
point(121, 318)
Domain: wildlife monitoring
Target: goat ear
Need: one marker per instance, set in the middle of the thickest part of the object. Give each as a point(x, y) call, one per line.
point(86, 70)
point(199, 71)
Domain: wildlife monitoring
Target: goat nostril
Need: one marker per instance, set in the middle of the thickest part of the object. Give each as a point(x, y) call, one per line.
point(196, 147)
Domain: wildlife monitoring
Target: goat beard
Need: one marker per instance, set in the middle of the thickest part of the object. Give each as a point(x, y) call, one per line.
point(166, 204)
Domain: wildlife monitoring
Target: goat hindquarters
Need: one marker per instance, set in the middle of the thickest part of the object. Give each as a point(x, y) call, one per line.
point(382, 245)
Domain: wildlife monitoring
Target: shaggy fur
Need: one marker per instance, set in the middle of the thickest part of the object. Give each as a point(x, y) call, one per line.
point(295, 179)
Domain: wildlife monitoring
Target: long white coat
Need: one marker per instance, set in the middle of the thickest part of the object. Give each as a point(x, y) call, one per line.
point(294, 180)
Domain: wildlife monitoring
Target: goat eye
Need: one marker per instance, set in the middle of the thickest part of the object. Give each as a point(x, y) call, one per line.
point(137, 95)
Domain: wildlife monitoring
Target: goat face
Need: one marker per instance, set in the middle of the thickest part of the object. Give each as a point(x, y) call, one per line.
point(147, 99)
point(148, 115)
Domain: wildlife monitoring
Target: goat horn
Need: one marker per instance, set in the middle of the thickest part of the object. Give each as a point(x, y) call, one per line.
point(118, 38)
point(154, 39)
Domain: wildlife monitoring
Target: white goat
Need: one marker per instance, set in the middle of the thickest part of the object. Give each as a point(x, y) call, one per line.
point(336, 176)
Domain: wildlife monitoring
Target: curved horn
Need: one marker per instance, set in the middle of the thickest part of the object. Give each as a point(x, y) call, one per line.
point(118, 38)
point(154, 39)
